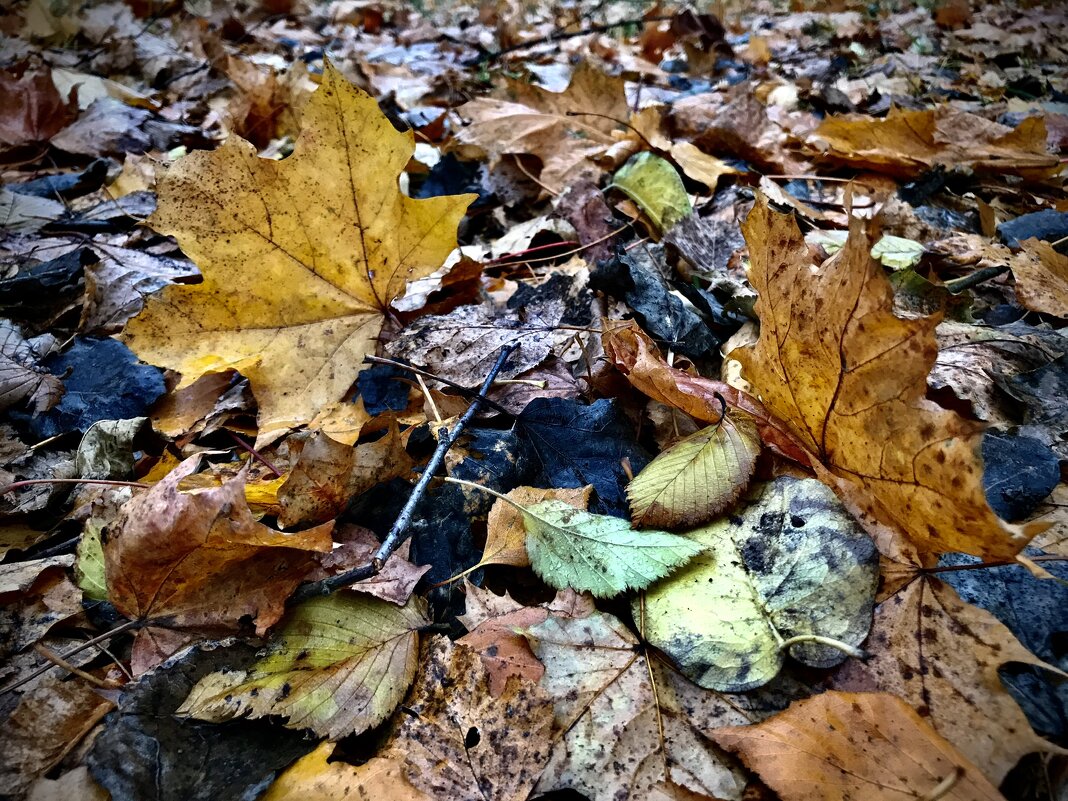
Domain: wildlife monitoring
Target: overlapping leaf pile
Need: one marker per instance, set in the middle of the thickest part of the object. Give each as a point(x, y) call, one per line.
point(759, 499)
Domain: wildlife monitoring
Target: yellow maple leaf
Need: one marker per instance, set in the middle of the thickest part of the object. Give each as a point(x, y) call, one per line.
point(300, 257)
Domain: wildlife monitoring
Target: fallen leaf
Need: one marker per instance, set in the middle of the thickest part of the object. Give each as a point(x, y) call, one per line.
point(1041, 277)
point(75, 783)
point(356, 546)
point(699, 165)
point(535, 121)
point(696, 478)
point(461, 742)
point(22, 380)
point(656, 187)
point(34, 111)
point(906, 143)
point(600, 554)
point(788, 563)
point(314, 777)
point(299, 256)
point(624, 723)
point(338, 666)
point(849, 378)
point(838, 746)
point(941, 656)
point(196, 561)
point(26, 214)
point(329, 474)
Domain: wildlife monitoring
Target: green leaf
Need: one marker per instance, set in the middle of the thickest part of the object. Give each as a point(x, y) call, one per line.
point(569, 547)
point(654, 184)
point(89, 571)
point(697, 477)
point(339, 666)
point(791, 563)
point(897, 253)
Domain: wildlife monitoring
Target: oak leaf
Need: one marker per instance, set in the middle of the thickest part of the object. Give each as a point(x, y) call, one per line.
point(301, 257)
point(461, 742)
point(907, 143)
point(837, 746)
point(849, 379)
point(942, 656)
point(536, 121)
point(200, 561)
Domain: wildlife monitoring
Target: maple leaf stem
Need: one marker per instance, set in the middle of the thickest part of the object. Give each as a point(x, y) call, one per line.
point(845, 648)
point(398, 533)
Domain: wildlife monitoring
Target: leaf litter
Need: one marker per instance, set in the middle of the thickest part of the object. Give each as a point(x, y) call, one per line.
point(754, 323)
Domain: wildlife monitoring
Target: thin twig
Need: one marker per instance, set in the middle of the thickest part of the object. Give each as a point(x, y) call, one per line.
point(517, 256)
point(957, 285)
point(986, 565)
point(398, 534)
point(560, 36)
point(459, 387)
point(526, 172)
point(255, 454)
point(59, 661)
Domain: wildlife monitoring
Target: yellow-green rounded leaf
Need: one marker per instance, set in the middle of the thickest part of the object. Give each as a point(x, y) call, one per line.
point(339, 666)
point(654, 184)
point(89, 571)
point(600, 554)
point(696, 478)
point(790, 563)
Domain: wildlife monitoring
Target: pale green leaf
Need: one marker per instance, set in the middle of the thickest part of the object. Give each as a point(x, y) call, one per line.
point(339, 666)
point(791, 563)
point(89, 566)
point(654, 184)
point(569, 547)
point(697, 477)
point(897, 253)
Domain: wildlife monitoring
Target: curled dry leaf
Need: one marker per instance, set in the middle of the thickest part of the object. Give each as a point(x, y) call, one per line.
point(294, 292)
point(696, 478)
point(339, 666)
point(462, 742)
point(850, 379)
point(200, 561)
point(907, 143)
point(942, 656)
point(838, 746)
point(1041, 277)
point(790, 562)
point(315, 777)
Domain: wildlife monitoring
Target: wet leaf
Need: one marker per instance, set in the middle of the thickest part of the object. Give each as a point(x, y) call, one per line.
point(697, 477)
point(338, 666)
point(286, 276)
point(656, 187)
point(855, 745)
point(789, 563)
point(600, 554)
point(850, 380)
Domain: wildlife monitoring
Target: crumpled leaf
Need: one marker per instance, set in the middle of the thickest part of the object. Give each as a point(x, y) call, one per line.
point(941, 656)
point(600, 554)
point(849, 378)
point(20, 377)
point(1041, 277)
point(626, 724)
point(464, 743)
point(328, 474)
point(314, 777)
point(855, 745)
point(301, 257)
point(356, 546)
point(338, 666)
point(697, 477)
point(791, 562)
point(656, 187)
point(106, 449)
point(195, 561)
point(896, 252)
point(535, 121)
point(906, 143)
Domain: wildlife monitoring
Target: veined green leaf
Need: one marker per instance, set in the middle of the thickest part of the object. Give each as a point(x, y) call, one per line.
point(654, 184)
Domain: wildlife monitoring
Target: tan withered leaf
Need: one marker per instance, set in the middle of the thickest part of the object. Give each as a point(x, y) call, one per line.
point(1041, 277)
point(463, 743)
point(906, 143)
point(535, 121)
point(356, 546)
point(200, 561)
point(849, 378)
point(617, 733)
point(506, 534)
point(314, 777)
point(942, 656)
point(697, 477)
point(329, 474)
point(301, 257)
point(837, 746)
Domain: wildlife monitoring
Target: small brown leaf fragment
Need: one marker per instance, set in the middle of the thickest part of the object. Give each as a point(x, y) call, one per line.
point(942, 656)
point(839, 746)
point(200, 560)
point(506, 533)
point(849, 378)
point(463, 743)
point(357, 545)
point(1041, 277)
